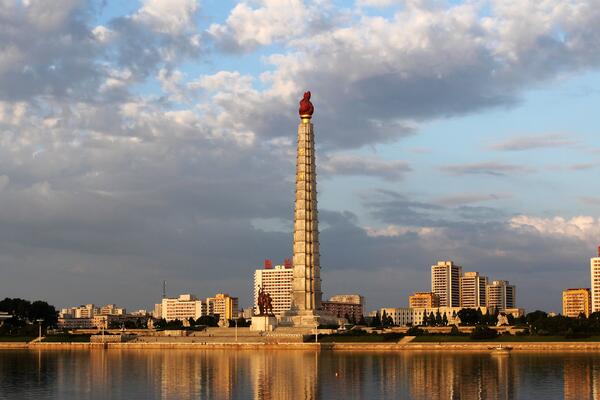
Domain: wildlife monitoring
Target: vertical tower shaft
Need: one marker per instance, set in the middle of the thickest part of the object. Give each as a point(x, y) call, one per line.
point(307, 281)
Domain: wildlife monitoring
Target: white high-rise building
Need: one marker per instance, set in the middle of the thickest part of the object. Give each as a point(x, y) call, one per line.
point(445, 282)
point(184, 307)
point(500, 295)
point(595, 281)
point(472, 290)
point(277, 282)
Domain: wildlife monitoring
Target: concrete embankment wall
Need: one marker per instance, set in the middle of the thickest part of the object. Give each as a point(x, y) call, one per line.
point(341, 347)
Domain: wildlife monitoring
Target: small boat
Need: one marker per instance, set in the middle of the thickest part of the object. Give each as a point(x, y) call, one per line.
point(501, 350)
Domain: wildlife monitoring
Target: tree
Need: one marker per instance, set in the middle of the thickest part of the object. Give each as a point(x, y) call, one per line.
point(424, 318)
point(445, 320)
point(479, 316)
point(438, 318)
point(208, 320)
point(482, 332)
point(384, 319)
point(362, 321)
point(25, 315)
point(175, 324)
point(487, 318)
point(468, 316)
point(431, 319)
point(535, 316)
point(376, 321)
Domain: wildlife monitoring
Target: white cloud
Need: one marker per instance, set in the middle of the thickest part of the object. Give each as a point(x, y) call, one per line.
point(584, 228)
point(173, 17)
point(258, 23)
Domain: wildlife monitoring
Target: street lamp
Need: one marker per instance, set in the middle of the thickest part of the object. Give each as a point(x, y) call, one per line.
point(236, 336)
point(39, 321)
point(317, 329)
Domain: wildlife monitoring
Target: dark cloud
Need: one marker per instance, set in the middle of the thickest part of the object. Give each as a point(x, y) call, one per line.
point(47, 51)
point(349, 164)
point(468, 198)
point(106, 193)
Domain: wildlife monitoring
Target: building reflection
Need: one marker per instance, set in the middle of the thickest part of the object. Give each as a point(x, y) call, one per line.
point(297, 374)
point(581, 377)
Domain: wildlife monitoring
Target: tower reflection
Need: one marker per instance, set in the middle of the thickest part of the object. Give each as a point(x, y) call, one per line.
point(296, 374)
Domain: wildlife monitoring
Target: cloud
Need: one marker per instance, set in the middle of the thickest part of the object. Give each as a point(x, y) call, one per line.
point(119, 158)
point(590, 200)
point(251, 24)
point(350, 164)
point(535, 142)
point(469, 198)
point(172, 17)
point(583, 166)
point(486, 168)
point(432, 61)
point(584, 228)
point(46, 50)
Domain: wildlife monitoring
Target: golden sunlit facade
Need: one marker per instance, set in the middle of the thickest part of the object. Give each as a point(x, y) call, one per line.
point(577, 301)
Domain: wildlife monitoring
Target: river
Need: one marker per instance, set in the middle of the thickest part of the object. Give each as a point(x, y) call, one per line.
point(295, 374)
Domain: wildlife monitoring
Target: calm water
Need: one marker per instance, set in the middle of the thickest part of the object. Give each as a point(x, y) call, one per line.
point(180, 374)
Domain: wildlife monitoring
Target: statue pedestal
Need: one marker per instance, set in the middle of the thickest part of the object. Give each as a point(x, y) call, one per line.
point(263, 323)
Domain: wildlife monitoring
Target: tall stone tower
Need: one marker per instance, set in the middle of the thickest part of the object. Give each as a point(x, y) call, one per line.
point(306, 285)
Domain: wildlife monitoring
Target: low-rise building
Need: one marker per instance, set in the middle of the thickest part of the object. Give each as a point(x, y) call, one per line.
point(112, 309)
point(577, 301)
point(406, 316)
point(223, 305)
point(349, 306)
point(75, 323)
point(401, 316)
point(423, 300)
point(183, 307)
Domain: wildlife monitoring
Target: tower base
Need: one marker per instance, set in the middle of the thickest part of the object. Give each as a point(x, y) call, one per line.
point(308, 319)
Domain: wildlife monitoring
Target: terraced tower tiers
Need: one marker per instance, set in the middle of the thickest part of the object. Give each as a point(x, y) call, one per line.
point(306, 284)
point(305, 311)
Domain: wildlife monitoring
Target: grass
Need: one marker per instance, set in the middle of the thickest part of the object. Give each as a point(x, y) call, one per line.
point(16, 338)
point(67, 338)
point(501, 339)
point(367, 338)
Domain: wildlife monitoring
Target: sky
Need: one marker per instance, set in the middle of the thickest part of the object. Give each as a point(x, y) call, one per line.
point(155, 140)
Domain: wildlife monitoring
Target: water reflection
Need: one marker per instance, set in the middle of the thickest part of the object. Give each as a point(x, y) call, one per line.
point(183, 374)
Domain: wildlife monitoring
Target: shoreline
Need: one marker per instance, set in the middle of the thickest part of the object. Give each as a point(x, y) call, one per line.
point(333, 347)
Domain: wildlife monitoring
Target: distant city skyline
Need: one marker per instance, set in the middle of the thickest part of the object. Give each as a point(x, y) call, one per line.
point(154, 140)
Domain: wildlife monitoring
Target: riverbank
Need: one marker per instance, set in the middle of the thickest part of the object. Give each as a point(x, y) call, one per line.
point(336, 347)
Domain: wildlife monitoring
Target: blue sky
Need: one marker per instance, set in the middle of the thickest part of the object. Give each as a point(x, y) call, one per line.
point(154, 140)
